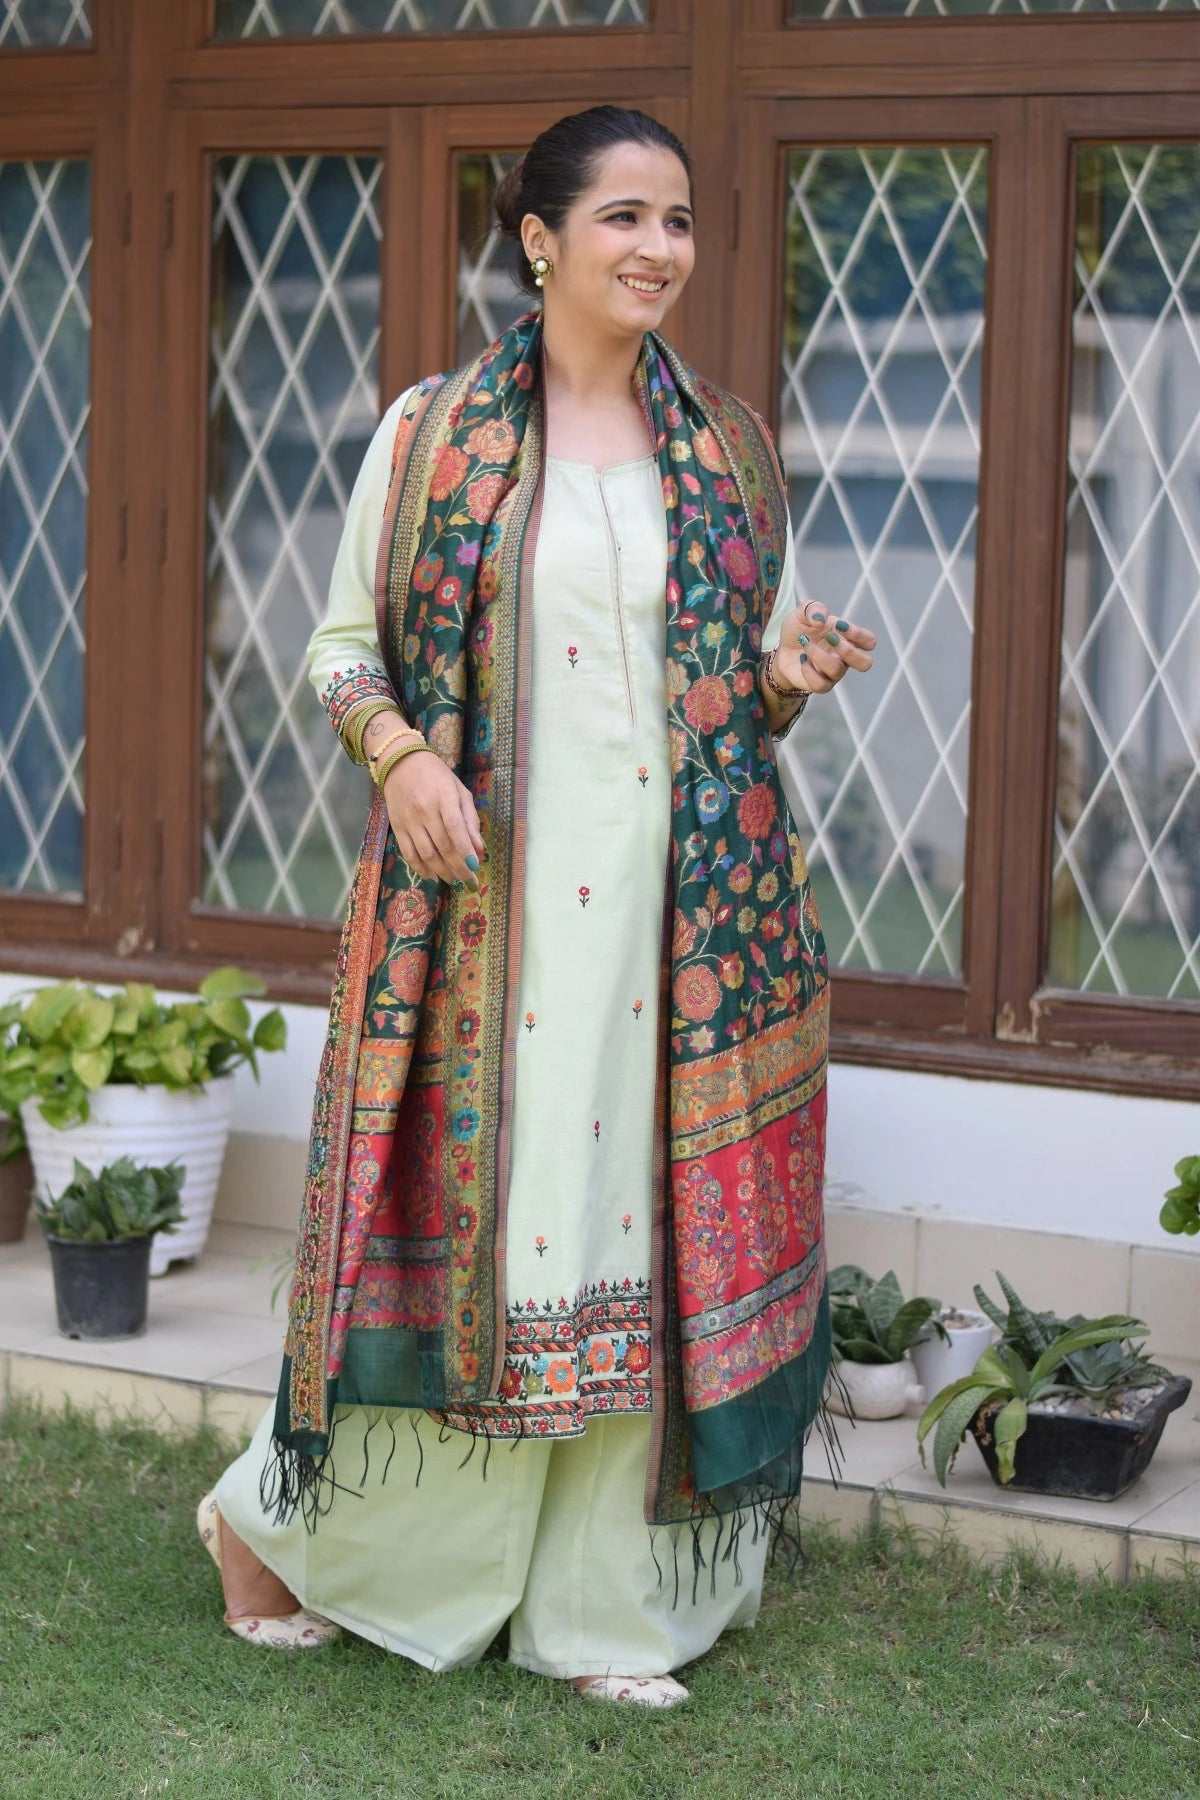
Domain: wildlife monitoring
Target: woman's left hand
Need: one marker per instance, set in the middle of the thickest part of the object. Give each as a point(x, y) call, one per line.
point(815, 650)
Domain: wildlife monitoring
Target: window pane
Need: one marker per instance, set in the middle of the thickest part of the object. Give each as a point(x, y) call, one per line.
point(293, 405)
point(801, 12)
point(488, 296)
point(45, 338)
point(1126, 895)
point(343, 18)
point(879, 432)
point(27, 24)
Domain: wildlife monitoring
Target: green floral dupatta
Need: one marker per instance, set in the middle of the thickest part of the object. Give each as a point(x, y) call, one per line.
point(399, 1289)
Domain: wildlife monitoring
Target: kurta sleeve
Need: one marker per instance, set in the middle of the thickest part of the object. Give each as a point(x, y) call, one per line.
point(345, 663)
point(787, 597)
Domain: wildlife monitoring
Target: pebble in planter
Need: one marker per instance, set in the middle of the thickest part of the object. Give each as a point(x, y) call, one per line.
point(1059, 1406)
point(873, 1327)
point(99, 1231)
point(96, 1076)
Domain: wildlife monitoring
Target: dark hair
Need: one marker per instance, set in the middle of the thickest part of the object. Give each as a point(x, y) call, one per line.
point(560, 164)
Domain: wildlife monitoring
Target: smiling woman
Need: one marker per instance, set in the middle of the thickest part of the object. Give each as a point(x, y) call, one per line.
point(560, 566)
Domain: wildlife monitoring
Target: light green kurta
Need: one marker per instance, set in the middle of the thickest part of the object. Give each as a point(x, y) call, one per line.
point(597, 845)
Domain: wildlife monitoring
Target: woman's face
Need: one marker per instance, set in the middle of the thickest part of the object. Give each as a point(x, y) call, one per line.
point(626, 247)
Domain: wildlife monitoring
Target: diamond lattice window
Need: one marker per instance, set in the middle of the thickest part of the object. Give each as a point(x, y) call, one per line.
point(44, 24)
point(880, 431)
point(294, 403)
point(489, 298)
point(803, 12)
point(1126, 889)
point(45, 336)
point(345, 18)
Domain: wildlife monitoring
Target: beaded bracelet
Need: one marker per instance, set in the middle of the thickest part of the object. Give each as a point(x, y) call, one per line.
point(381, 771)
point(782, 693)
point(403, 731)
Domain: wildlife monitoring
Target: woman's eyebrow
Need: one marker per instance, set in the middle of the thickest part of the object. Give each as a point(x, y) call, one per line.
point(676, 206)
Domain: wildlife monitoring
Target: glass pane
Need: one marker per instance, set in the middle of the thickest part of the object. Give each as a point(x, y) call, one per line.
point(1126, 895)
point(488, 296)
point(29, 24)
point(879, 432)
point(293, 395)
point(344, 18)
point(801, 12)
point(45, 340)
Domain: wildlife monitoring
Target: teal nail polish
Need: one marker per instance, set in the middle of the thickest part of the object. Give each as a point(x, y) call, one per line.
point(804, 656)
point(472, 862)
point(831, 638)
point(803, 639)
point(843, 624)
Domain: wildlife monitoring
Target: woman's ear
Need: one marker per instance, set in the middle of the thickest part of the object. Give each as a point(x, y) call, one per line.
point(534, 238)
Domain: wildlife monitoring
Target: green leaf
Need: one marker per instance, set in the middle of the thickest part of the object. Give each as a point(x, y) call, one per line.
point(176, 1066)
point(48, 1008)
point(271, 1031)
point(952, 1428)
point(1007, 1428)
point(907, 1323)
point(966, 1384)
point(1114, 1326)
point(93, 1067)
point(847, 1278)
point(89, 1022)
point(864, 1350)
point(141, 997)
point(230, 983)
point(231, 1017)
point(881, 1303)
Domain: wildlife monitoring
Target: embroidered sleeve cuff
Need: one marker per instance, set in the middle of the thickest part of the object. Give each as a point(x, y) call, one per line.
point(779, 735)
point(353, 696)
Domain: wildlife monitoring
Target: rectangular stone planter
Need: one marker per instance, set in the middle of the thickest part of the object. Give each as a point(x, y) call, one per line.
point(1081, 1457)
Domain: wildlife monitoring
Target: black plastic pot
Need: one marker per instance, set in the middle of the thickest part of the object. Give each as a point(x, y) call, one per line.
point(1079, 1456)
point(101, 1290)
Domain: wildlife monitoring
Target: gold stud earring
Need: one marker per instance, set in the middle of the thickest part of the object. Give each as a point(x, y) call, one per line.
point(541, 266)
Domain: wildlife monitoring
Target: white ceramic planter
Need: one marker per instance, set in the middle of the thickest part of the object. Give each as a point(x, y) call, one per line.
point(938, 1364)
point(876, 1390)
point(155, 1126)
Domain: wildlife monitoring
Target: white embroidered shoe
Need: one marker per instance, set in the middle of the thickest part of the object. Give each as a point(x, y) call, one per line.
point(301, 1630)
point(650, 1690)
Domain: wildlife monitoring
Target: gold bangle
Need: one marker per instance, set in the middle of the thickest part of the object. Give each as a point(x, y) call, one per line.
point(380, 773)
point(356, 724)
point(403, 732)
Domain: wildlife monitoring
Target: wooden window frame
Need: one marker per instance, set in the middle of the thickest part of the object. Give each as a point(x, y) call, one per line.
point(153, 99)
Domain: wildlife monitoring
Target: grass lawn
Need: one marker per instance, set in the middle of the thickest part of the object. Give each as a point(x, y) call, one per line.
point(876, 1672)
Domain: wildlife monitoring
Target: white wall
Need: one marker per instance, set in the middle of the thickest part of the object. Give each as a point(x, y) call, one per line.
point(999, 1153)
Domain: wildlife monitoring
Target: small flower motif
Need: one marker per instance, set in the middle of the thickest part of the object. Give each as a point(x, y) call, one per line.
point(585, 894)
point(540, 1245)
point(596, 1129)
point(572, 654)
point(626, 1223)
point(637, 1009)
point(530, 1021)
point(643, 776)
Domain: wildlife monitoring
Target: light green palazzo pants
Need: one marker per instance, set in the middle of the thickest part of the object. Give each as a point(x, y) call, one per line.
point(553, 1539)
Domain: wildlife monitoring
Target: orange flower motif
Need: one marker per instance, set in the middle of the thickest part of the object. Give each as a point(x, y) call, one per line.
point(684, 936)
point(560, 1376)
point(708, 451)
point(379, 944)
point(483, 497)
point(637, 1357)
point(601, 1356)
point(406, 975)
point(696, 992)
point(496, 441)
point(707, 703)
point(408, 912)
point(449, 467)
point(756, 810)
point(530, 1021)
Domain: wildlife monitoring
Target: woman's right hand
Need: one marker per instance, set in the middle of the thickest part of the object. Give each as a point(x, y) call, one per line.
point(433, 820)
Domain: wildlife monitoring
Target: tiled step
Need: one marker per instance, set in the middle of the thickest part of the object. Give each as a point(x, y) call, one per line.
point(211, 1355)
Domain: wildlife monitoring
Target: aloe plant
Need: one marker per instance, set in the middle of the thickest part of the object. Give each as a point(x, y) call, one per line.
point(1099, 1371)
point(122, 1201)
point(872, 1321)
point(1003, 1375)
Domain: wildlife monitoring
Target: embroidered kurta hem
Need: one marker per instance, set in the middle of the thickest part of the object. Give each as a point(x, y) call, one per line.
point(402, 1293)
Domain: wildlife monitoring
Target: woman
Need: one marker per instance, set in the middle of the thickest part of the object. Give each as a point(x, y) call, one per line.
point(565, 1175)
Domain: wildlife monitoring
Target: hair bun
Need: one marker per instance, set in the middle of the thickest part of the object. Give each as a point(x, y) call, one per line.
point(506, 201)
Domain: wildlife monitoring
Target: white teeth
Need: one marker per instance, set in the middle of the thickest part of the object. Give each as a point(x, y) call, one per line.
point(643, 287)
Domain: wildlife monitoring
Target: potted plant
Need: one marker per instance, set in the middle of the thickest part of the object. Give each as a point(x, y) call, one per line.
point(1181, 1205)
point(1058, 1406)
point(949, 1346)
point(873, 1326)
point(95, 1076)
point(99, 1231)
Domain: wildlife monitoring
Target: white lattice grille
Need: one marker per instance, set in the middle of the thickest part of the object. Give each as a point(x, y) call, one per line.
point(44, 24)
point(489, 298)
point(344, 18)
point(804, 11)
point(880, 431)
point(294, 402)
point(45, 338)
point(1126, 892)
